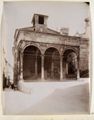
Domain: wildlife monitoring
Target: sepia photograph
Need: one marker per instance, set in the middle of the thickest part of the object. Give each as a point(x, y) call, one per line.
point(46, 58)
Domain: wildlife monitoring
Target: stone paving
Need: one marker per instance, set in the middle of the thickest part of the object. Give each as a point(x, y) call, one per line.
point(50, 98)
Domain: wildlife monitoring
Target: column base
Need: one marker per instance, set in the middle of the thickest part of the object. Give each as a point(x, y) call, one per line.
point(23, 88)
point(42, 79)
point(61, 79)
point(78, 76)
point(21, 78)
point(20, 84)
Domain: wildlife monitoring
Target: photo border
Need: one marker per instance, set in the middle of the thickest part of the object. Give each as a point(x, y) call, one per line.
point(54, 117)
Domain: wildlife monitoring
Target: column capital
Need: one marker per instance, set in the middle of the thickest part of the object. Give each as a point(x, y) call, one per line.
point(21, 53)
point(61, 56)
point(61, 50)
point(42, 55)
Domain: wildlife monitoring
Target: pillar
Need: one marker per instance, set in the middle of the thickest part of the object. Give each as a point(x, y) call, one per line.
point(36, 67)
point(42, 67)
point(61, 68)
point(78, 72)
point(20, 83)
point(21, 69)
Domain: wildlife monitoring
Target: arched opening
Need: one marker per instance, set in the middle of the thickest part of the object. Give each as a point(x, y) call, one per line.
point(31, 63)
point(52, 64)
point(70, 64)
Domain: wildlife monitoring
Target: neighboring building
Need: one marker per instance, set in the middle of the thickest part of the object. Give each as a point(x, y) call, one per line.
point(43, 54)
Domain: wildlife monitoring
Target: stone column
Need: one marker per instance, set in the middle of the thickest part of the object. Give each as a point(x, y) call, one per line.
point(42, 67)
point(78, 72)
point(21, 69)
point(36, 66)
point(61, 68)
point(21, 81)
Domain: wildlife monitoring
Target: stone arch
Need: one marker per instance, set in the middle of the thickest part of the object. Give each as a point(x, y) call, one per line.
point(31, 44)
point(70, 63)
point(51, 46)
point(75, 50)
point(52, 64)
point(31, 63)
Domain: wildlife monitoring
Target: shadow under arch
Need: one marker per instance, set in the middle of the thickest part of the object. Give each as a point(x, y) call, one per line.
point(70, 64)
point(31, 63)
point(52, 64)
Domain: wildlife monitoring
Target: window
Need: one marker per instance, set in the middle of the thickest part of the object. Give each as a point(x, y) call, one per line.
point(41, 20)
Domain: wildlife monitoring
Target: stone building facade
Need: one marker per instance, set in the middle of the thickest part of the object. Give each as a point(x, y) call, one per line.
point(42, 54)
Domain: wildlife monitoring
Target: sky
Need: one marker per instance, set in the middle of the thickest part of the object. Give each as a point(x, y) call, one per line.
point(61, 14)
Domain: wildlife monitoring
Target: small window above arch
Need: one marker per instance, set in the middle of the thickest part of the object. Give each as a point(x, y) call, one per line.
point(41, 20)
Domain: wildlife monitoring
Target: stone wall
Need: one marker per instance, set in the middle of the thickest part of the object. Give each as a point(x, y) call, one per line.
point(48, 38)
point(44, 41)
point(84, 55)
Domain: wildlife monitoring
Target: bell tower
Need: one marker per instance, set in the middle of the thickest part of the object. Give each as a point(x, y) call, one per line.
point(39, 22)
